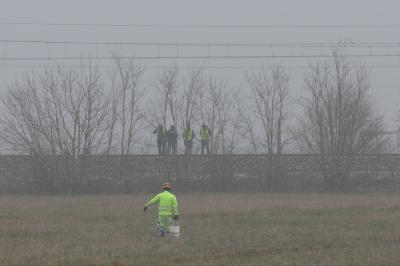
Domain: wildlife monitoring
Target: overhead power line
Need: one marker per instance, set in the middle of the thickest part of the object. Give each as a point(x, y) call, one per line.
point(206, 26)
point(184, 66)
point(200, 44)
point(192, 57)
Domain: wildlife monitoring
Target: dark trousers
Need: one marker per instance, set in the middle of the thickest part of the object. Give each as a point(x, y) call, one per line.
point(205, 143)
point(188, 147)
point(161, 146)
point(171, 147)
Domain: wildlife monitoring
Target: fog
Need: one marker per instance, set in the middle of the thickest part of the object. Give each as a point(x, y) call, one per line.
point(285, 151)
point(212, 13)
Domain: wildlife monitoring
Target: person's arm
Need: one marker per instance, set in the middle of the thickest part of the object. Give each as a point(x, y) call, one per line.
point(153, 200)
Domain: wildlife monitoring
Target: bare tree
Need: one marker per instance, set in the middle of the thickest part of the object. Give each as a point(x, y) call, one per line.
point(20, 125)
point(62, 113)
point(127, 85)
point(188, 107)
point(76, 108)
point(166, 90)
point(112, 118)
point(269, 98)
point(247, 131)
point(193, 84)
point(339, 118)
point(218, 109)
point(163, 107)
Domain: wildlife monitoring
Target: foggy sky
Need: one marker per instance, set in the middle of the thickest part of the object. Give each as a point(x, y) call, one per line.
point(340, 12)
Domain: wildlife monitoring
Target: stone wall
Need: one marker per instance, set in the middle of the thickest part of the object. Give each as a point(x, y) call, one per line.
point(97, 173)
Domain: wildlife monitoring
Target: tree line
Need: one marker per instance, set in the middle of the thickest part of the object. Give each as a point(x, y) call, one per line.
point(73, 113)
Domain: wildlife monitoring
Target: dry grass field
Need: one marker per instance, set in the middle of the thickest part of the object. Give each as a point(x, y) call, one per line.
point(220, 229)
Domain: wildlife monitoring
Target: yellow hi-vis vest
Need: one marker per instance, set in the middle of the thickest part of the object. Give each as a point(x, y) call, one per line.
point(168, 205)
point(189, 134)
point(204, 134)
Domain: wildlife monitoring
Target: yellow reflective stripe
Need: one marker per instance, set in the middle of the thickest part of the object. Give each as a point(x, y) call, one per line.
point(169, 209)
point(165, 207)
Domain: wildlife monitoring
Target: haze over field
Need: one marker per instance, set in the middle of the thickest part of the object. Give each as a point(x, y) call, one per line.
point(379, 20)
point(199, 132)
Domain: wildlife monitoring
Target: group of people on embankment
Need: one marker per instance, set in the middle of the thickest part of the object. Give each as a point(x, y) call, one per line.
point(167, 140)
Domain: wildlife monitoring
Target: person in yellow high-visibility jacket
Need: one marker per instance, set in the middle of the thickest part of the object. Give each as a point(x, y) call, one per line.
point(188, 137)
point(205, 133)
point(167, 208)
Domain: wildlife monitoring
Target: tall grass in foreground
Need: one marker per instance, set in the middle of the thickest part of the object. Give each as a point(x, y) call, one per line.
point(216, 229)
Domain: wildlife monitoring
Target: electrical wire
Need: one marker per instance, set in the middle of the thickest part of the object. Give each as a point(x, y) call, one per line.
point(199, 44)
point(185, 67)
point(205, 26)
point(71, 58)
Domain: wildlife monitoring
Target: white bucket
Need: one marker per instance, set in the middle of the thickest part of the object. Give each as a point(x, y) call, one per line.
point(174, 230)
